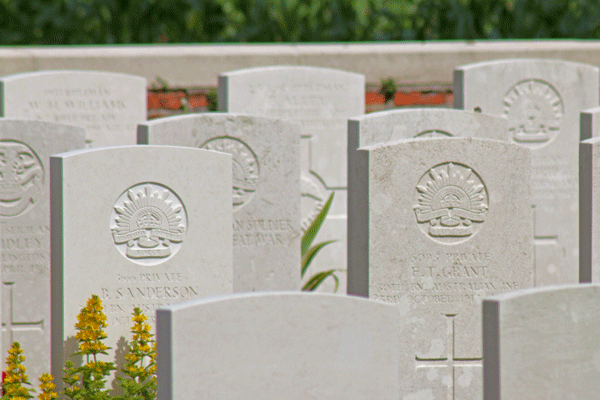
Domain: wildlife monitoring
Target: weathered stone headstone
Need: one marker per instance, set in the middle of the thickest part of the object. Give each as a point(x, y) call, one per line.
point(589, 204)
point(141, 226)
point(25, 149)
point(542, 343)
point(320, 100)
point(589, 121)
point(388, 126)
point(278, 345)
point(541, 100)
point(444, 222)
point(266, 189)
point(108, 105)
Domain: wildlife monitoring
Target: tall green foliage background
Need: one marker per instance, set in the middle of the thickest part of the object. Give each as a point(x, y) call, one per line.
point(199, 21)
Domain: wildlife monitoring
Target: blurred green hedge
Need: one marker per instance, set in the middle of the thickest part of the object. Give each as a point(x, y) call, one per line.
point(193, 21)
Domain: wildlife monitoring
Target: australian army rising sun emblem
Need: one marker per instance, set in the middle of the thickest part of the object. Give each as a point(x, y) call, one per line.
point(148, 223)
point(451, 203)
point(21, 178)
point(245, 167)
point(534, 111)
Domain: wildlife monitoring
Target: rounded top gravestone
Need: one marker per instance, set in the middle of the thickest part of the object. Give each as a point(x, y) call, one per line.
point(128, 226)
point(541, 101)
point(108, 105)
point(444, 222)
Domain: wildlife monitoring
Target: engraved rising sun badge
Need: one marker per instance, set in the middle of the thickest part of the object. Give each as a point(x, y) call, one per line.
point(534, 110)
point(245, 167)
point(148, 223)
point(21, 178)
point(452, 203)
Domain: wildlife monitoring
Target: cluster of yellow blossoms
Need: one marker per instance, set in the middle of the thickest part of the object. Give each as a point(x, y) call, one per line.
point(90, 323)
point(47, 387)
point(141, 366)
point(15, 378)
point(88, 381)
point(15, 375)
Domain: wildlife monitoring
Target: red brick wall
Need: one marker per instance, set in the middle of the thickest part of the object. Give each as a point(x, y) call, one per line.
point(163, 102)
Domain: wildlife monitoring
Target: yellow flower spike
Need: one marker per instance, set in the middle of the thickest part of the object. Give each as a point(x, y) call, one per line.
point(140, 360)
point(47, 387)
point(15, 375)
point(91, 377)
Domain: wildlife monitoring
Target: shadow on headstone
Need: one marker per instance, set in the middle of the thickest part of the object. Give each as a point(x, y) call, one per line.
point(72, 347)
point(121, 350)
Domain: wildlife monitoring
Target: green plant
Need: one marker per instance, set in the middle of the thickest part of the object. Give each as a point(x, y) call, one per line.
point(309, 251)
point(15, 378)
point(15, 375)
point(388, 89)
point(160, 85)
point(140, 381)
point(89, 380)
point(192, 21)
point(208, 21)
point(47, 387)
point(212, 99)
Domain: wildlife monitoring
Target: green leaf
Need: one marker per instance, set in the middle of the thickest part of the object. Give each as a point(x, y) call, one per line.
point(311, 253)
point(315, 281)
point(314, 227)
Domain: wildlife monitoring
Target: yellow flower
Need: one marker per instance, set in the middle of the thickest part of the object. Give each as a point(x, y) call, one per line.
point(132, 357)
point(145, 348)
point(91, 365)
point(15, 374)
point(141, 349)
point(47, 387)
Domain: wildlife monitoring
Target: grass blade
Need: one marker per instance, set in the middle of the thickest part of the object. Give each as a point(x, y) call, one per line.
point(313, 229)
point(311, 253)
point(315, 281)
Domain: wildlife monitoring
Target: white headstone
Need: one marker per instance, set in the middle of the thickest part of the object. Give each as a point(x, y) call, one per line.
point(139, 226)
point(589, 121)
point(388, 126)
point(541, 99)
point(266, 189)
point(25, 149)
point(320, 100)
point(589, 206)
point(444, 223)
point(108, 105)
point(542, 343)
point(278, 345)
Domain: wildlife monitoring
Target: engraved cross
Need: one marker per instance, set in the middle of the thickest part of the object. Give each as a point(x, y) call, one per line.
point(449, 361)
point(9, 326)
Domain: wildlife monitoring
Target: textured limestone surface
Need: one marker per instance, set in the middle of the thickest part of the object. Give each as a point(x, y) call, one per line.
point(139, 226)
point(320, 100)
point(541, 101)
point(266, 189)
point(278, 345)
point(542, 343)
point(25, 149)
point(589, 201)
point(444, 223)
point(389, 126)
point(108, 105)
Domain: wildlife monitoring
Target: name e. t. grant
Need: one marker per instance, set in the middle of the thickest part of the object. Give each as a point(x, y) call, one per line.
point(441, 278)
